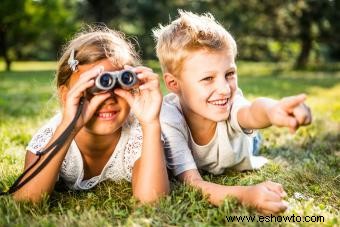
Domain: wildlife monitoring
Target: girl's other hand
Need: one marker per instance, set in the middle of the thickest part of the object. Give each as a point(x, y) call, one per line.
point(145, 101)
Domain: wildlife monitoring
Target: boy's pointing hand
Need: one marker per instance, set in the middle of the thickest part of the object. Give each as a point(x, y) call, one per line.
point(290, 112)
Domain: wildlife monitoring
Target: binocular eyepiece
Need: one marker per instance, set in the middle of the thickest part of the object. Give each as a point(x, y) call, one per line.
point(125, 79)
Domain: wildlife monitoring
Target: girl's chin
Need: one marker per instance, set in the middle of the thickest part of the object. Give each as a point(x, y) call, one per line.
point(103, 127)
point(101, 131)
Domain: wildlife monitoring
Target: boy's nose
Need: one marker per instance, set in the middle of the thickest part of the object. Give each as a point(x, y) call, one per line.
point(224, 88)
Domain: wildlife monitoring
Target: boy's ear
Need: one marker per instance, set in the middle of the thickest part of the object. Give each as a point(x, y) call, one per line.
point(171, 82)
point(62, 92)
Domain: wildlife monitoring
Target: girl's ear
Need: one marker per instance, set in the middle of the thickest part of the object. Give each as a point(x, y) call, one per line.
point(172, 83)
point(62, 91)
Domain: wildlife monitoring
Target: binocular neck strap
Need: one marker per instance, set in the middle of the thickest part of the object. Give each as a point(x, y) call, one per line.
point(51, 149)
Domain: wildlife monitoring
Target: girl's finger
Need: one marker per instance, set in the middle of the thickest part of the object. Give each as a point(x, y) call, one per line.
point(141, 69)
point(91, 73)
point(150, 85)
point(88, 75)
point(147, 76)
point(78, 92)
point(95, 102)
point(125, 94)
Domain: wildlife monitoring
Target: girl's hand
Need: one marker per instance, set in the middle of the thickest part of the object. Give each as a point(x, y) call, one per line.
point(145, 101)
point(290, 112)
point(266, 197)
point(74, 93)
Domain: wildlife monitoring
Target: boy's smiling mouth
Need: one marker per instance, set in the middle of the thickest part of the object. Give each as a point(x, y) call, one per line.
point(219, 102)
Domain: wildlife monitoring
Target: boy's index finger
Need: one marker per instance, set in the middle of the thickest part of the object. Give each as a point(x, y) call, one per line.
point(293, 101)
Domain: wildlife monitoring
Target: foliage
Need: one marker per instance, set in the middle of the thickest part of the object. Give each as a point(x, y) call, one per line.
point(299, 30)
point(307, 163)
point(34, 29)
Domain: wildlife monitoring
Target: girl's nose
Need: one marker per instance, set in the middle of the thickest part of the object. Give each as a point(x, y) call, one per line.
point(111, 99)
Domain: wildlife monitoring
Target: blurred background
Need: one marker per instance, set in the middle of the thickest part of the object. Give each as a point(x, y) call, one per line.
point(301, 32)
point(285, 48)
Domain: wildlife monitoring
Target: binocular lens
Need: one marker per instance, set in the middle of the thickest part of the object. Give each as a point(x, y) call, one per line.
point(106, 80)
point(127, 78)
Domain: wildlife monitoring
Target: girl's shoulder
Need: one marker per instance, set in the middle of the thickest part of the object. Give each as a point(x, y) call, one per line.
point(44, 134)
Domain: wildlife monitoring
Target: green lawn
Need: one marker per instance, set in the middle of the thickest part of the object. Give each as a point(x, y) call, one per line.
point(306, 163)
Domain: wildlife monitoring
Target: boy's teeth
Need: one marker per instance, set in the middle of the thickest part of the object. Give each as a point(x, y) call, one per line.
point(219, 102)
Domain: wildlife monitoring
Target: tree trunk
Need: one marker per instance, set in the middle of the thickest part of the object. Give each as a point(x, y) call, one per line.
point(3, 48)
point(306, 47)
point(306, 39)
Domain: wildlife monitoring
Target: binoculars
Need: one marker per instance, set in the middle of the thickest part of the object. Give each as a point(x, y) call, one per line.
point(125, 79)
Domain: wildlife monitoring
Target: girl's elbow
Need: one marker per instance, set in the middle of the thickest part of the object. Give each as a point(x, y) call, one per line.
point(30, 197)
point(151, 196)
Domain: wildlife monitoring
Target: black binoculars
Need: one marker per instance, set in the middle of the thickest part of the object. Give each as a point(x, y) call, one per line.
point(125, 79)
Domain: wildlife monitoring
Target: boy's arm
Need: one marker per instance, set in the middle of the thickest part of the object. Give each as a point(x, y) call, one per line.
point(288, 112)
point(265, 197)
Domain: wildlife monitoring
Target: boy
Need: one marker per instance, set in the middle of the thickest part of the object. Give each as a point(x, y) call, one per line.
point(206, 121)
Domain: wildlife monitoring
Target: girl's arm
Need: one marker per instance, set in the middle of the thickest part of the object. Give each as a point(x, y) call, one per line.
point(43, 183)
point(149, 174)
point(288, 112)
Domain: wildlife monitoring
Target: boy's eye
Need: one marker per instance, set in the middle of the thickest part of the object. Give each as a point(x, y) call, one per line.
point(230, 74)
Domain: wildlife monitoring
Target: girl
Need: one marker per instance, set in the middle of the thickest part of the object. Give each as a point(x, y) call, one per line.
point(117, 135)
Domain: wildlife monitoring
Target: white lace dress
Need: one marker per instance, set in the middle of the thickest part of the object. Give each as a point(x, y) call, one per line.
point(119, 166)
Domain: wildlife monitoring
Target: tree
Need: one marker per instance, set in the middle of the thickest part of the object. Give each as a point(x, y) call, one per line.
point(11, 13)
point(24, 22)
point(134, 18)
point(258, 23)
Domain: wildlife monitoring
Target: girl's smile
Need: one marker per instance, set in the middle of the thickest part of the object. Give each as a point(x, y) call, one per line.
point(107, 115)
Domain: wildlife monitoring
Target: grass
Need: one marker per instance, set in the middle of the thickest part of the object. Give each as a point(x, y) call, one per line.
point(306, 163)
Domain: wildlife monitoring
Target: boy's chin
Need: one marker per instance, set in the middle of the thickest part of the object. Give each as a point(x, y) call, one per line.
point(218, 117)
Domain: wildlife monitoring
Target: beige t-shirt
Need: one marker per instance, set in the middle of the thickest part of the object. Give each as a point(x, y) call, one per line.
point(230, 147)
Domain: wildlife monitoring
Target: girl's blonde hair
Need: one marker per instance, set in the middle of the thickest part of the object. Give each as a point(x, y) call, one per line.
point(189, 32)
point(94, 44)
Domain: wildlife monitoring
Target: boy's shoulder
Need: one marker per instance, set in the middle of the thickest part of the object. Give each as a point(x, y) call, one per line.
point(171, 111)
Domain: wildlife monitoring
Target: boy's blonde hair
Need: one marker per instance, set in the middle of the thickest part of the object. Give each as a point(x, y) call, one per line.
point(189, 32)
point(94, 44)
